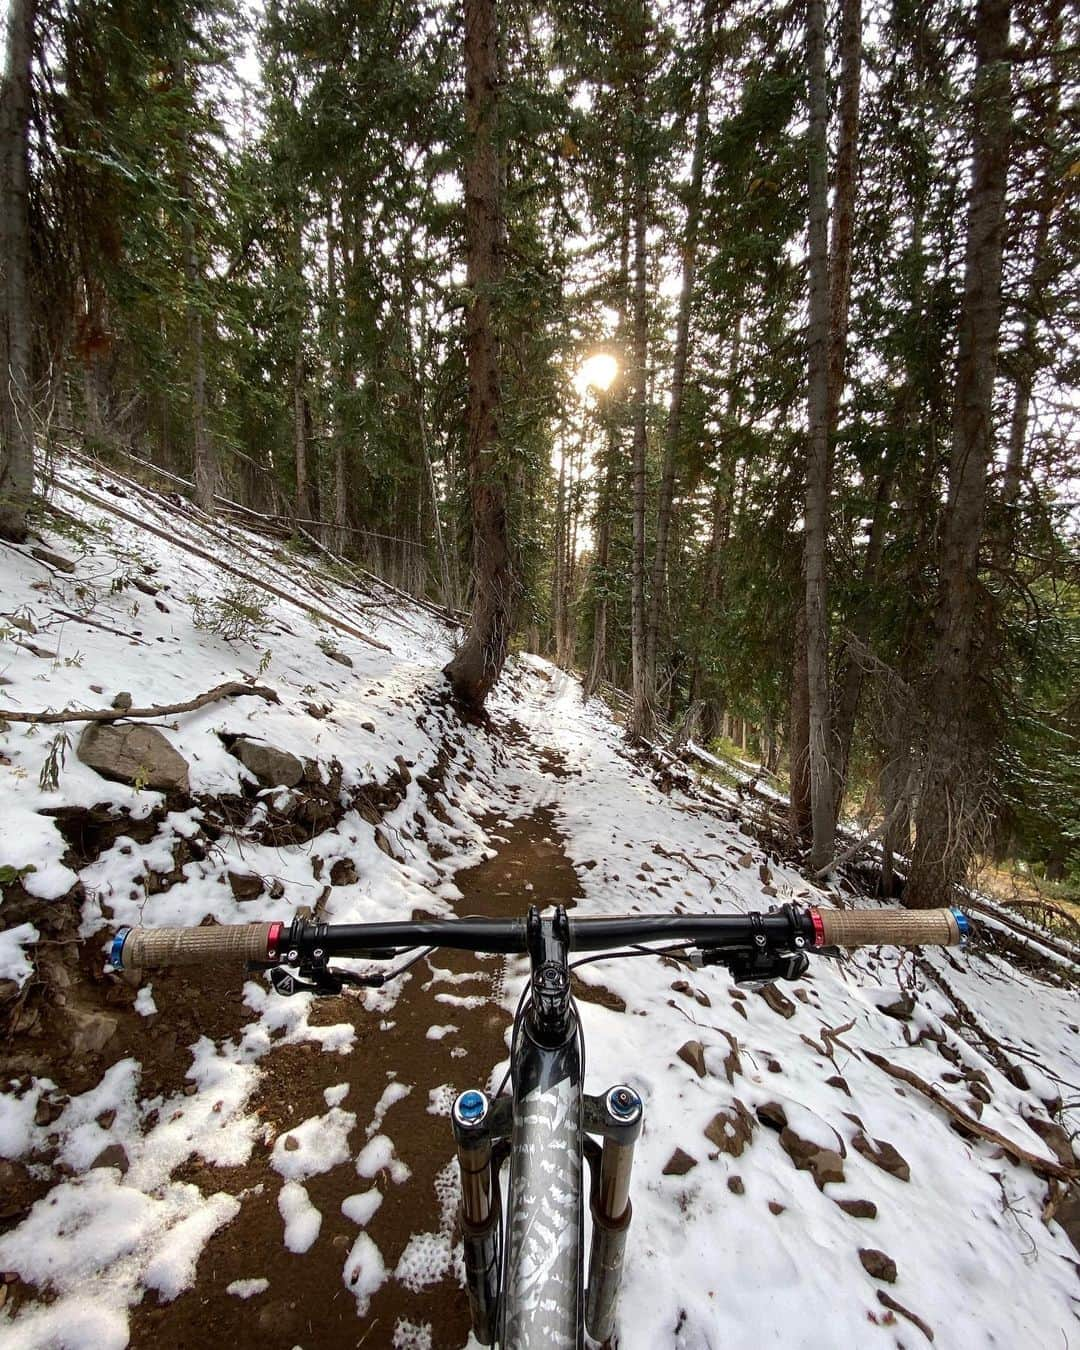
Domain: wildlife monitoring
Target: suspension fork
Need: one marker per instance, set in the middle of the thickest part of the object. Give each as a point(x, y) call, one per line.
point(616, 1117)
point(481, 1128)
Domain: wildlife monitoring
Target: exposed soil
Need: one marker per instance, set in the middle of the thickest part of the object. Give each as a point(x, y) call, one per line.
point(307, 1302)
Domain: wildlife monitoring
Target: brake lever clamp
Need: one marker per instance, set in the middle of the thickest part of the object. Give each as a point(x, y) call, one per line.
point(320, 980)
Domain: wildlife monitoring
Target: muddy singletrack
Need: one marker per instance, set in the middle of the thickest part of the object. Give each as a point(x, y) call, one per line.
point(445, 1031)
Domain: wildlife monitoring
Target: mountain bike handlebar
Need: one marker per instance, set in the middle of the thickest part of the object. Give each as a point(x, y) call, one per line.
point(302, 942)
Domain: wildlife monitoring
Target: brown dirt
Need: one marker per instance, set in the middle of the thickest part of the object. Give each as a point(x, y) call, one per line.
point(307, 1302)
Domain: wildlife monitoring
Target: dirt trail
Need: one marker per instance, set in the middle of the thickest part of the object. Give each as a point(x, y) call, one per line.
point(307, 1303)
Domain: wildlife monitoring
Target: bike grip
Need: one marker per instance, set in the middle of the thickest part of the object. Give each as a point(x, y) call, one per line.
point(139, 948)
point(893, 927)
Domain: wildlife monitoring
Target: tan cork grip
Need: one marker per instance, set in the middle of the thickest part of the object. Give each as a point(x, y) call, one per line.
point(195, 946)
point(893, 927)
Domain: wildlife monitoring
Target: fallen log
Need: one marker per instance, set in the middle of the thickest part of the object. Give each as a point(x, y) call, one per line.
point(233, 689)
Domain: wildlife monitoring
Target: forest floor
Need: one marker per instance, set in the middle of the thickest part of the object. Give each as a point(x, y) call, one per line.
point(194, 1157)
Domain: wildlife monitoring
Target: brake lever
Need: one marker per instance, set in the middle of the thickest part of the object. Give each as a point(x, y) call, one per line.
point(320, 980)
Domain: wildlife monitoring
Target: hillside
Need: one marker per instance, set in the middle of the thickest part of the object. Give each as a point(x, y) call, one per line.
point(196, 1152)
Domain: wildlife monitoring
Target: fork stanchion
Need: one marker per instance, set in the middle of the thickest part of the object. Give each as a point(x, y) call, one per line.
point(479, 1211)
point(611, 1210)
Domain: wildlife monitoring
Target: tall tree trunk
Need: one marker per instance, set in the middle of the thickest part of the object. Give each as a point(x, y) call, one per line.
point(642, 713)
point(204, 461)
point(657, 587)
point(817, 462)
point(598, 665)
point(957, 748)
point(337, 371)
point(843, 217)
point(16, 331)
point(479, 661)
point(558, 582)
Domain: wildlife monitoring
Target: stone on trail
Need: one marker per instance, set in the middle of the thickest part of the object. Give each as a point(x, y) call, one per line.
point(693, 1053)
point(883, 1155)
point(877, 1264)
point(679, 1164)
point(343, 873)
point(272, 767)
point(859, 1209)
point(134, 755)
point(245, 885)
point(823, 1164)
point(730, 1130)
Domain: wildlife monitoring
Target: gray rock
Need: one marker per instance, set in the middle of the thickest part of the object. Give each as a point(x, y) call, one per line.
point(337, 656)
point(134, 754)
point(272, 767)
point(122, 701)
point(693, 1053)
point(736, 1186)
point(89, 1032)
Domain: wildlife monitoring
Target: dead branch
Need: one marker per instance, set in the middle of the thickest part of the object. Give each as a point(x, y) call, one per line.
point(1042, 1166)
point(234, 689)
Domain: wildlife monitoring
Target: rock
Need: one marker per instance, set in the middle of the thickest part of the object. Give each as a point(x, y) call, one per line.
point(47, 1111)
point(732, 1062)
point(775, 1207)
point(778, 1002)
point(113, 1156)
point(245, 885)
point(46, 555)
point(317, 710)
point(679, 1164)
point(879, 1265)
point(839, 1083)
point(730, 1130)
point(106, 1119)
point(277, 889)
point(979, 1093)
point(735, 1186)
point(859, 1209)
point(122, 701)
point(883, 1155)
point(774, 1066)
point(134, 755)
point(343, 873)
point(367, 726)
point(339, 657)
point(1052, 1134)
point(773, 1116)
point(901, 1007)
point(22, 622)
point(823, 1164)
point(382, 843)
point(693, 1053)
point(88, 1032)
point(291, 1143)
point(272, 767)
point(404, 768)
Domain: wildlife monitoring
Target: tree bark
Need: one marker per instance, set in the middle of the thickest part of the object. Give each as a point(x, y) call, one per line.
point(479, 661)
point(204, 461)
point(843, 218)
point(16, 333)
point(657, 586)
point(817, 464)
point(958, 746)
point(642, 712)
point(337, 370)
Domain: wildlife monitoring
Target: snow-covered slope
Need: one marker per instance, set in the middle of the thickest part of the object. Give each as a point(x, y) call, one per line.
point(130, 1183)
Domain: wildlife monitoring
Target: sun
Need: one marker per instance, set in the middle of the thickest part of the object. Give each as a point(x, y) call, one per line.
point(596, 372)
